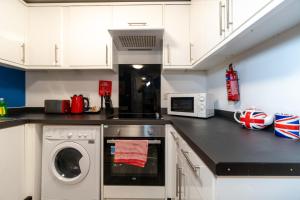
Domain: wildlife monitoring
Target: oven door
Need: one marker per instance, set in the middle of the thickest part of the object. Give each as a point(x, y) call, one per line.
point(153, 174)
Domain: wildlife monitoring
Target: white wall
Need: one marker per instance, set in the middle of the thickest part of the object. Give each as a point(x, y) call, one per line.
point(180, 81)
point(269, 76)
point(41, 85)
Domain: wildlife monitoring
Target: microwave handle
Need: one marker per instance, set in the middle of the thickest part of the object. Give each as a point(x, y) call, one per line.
point(149, 141)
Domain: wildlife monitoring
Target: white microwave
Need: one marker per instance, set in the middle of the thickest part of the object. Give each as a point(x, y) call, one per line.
point(193, 105)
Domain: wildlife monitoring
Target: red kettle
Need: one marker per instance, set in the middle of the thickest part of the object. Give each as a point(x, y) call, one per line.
point(79, 104)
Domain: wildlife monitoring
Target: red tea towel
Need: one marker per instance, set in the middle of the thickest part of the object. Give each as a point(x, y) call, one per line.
point(131, 152)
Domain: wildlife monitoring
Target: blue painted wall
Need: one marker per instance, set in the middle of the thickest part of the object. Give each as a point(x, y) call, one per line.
point(12, 86)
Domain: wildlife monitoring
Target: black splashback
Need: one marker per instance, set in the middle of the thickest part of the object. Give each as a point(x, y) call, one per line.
point(139, 89)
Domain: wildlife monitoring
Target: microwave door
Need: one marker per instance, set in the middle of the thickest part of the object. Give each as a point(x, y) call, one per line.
point(184, 106)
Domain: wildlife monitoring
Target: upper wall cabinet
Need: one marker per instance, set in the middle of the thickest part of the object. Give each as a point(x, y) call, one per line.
point(239, 11)
point(88, 43)
point(44, 45)
point(213, 20)
point(207, 26)
point(13, 20)
point(133, 16)
point(223, 29)
point(177, 52)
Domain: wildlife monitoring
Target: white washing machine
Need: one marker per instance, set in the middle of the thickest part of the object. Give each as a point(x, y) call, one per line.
point(71, 163)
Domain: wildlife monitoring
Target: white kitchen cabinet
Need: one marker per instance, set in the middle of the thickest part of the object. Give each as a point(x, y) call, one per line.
point(171, 155)
point(193, 180)
point(133, 16)
point(185, 183)
point(207, 26)
point(239, 11)
point(12, 160)
point(13, 20)
point(45, 32)
point(88, 41)
point(183, 178)
point(11, 51)
point(33, 160)
point(176, 36)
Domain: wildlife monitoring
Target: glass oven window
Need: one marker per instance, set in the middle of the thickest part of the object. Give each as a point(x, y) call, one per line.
point(123, 174)
point(182, 104)
point(150, 168)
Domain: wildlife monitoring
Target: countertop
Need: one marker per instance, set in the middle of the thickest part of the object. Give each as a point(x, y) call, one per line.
point(225, 147)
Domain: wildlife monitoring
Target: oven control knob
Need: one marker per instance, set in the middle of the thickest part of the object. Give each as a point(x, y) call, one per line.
point(150, 131)
point(201, 99)
point(118, 132)
point(70, 135)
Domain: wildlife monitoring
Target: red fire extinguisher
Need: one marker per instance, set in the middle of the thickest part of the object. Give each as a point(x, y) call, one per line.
point(232, 84)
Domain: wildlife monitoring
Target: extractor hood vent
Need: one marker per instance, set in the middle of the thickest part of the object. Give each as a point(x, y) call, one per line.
point(137, 39)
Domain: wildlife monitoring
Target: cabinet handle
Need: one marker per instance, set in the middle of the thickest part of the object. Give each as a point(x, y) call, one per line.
point(228, 14)
point(23, 53)
point(190, 163)
point(56, 54)
point(173, 134)
point(191, 45)
point(106, 54)
point(168, 54)
point(221, 6)
point(137, 23)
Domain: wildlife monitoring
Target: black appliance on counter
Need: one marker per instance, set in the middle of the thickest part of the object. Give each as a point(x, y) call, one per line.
point(139, 90)
point(153, 174)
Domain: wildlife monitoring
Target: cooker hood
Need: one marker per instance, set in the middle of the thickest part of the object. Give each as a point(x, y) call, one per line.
point(138, 39)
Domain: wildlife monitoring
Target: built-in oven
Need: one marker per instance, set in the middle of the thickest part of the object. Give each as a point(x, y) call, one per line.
point(119, 174)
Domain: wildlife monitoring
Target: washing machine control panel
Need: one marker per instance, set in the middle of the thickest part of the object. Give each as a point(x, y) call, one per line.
point(71, 134)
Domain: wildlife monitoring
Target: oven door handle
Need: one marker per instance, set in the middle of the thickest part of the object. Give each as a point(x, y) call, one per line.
point(149, 141)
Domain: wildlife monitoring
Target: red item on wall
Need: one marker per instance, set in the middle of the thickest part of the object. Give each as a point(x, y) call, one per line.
point(105, 88)
point(232, 84)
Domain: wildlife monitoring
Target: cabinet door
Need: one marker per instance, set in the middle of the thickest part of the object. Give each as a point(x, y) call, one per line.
point(182, 178)
point(12, 163)
point(13, 20)
point(137, 16)
point(88, 39)
point(242, 10)
point(11, 50)
point(176, 42)
point(207, 26)
point(44, 36)
point(172, 165)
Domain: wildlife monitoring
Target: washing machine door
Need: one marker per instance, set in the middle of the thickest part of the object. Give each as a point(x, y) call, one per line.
point(70, 162)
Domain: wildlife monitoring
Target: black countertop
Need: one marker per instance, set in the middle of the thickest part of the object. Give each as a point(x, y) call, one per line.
point(225, 147)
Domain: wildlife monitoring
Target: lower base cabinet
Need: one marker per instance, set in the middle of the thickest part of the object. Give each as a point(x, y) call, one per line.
point(193, 180)
point(12, 159)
